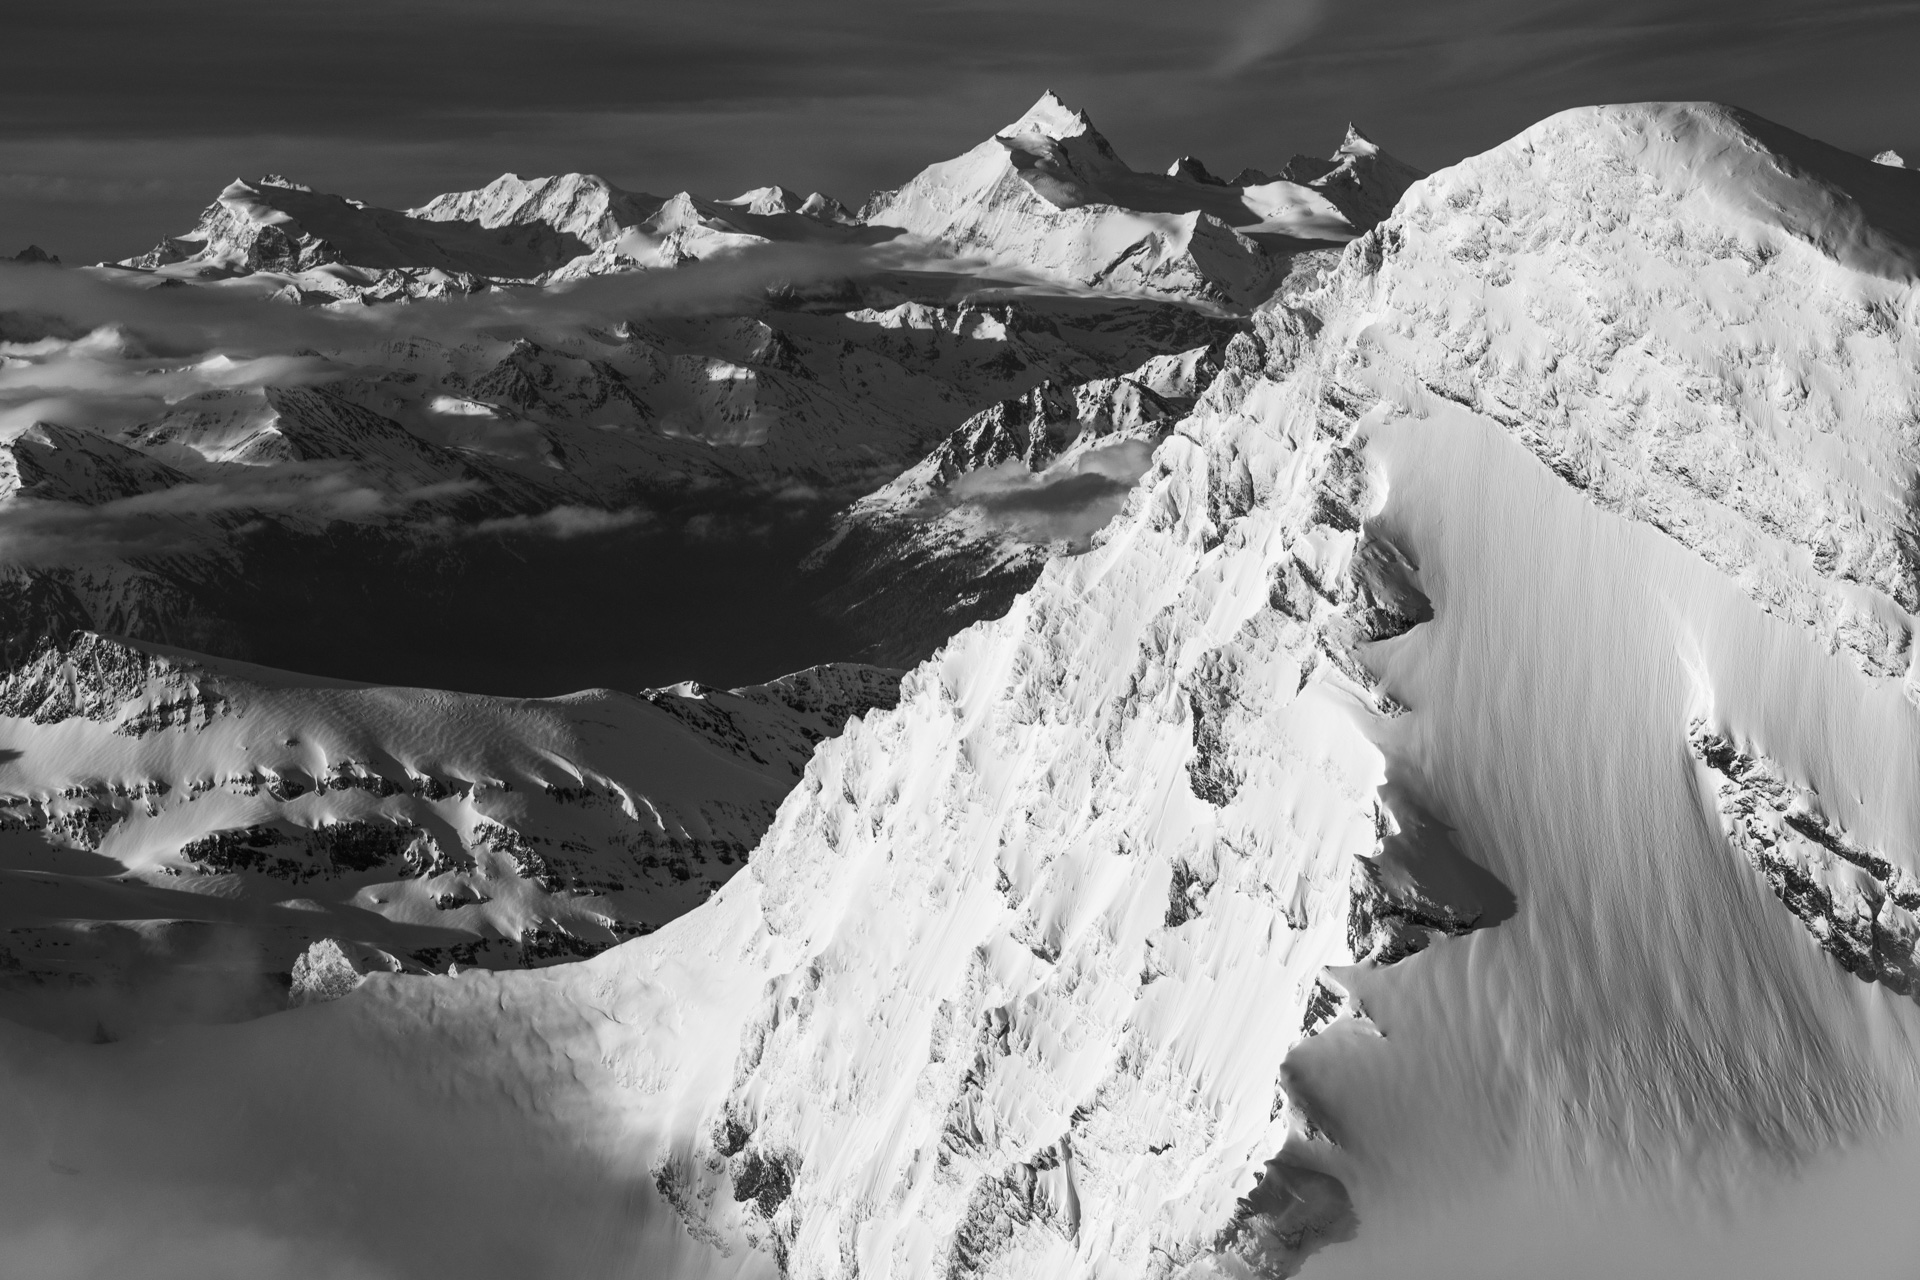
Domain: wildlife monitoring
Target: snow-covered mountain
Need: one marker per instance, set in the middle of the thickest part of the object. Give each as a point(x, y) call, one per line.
point(157, 807)
point(275, 225)
point(1456, 818)
point(1047, 198)
point(1049, 194)
point(582, 378)
point(954, 538)
point(181, 519)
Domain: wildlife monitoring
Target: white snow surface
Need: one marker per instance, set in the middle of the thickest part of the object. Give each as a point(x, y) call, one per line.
point(156, 801)
point(1049, 194)
point(1045, 203)
point(1052, 972)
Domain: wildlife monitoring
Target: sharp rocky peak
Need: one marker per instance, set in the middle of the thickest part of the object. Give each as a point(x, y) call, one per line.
point(1051, 118)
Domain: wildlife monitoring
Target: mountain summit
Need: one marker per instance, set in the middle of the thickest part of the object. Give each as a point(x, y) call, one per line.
point(1049, 195)
point(1045, 201)
point(1407, 767)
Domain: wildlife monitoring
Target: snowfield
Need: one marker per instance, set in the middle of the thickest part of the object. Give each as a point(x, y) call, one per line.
point(1456, 819)
point(164, 815)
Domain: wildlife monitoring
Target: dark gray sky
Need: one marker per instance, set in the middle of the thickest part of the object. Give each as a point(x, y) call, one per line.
point(122, 118)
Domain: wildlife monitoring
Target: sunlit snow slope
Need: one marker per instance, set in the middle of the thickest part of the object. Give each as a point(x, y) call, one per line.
point(165, 815)
point(1049, 195)
point(1386, 852)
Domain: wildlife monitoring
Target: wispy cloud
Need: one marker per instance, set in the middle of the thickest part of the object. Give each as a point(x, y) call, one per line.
point(66, 188)
point(1268, 28)
point(1070, 501)
point(238, 318)
point(562, 523)
point(189, 517)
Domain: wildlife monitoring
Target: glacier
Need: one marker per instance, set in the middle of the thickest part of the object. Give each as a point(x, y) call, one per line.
point(1385, 849)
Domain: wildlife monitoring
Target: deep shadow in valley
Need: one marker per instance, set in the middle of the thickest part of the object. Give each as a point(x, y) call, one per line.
point(713, 595)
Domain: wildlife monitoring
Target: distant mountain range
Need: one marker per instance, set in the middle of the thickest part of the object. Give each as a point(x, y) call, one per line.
point(1338, 722)
point(1047, 198)
point(418, 447)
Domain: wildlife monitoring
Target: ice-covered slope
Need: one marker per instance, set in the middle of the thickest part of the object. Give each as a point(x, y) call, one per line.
point(1048, 194)
point(634, 231)
point(954, 538)
point(325, 247)
point(1383, 854)
point(1721, 349)
point(580, 204)
point(1186, 844)
point(281, 226)
point(160, 803)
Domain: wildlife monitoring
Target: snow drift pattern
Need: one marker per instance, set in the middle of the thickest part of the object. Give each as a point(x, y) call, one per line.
point(1324, 846)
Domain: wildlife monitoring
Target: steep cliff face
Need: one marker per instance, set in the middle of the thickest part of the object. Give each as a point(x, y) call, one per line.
point(1392, 844)
point(1358, 722)
point(954, 538)
point(1718, 346)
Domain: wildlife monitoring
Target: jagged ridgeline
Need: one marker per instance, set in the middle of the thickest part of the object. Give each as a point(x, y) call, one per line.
point(467, 445)
point(162, 812)
point(1438, 786)
point(498, 441)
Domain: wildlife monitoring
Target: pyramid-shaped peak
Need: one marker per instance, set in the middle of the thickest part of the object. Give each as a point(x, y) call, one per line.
point(1190, 168)
point(1892, 159)
point(1050, 118)
point(1357, 143)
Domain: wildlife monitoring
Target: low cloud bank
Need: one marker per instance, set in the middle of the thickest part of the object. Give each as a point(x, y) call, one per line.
point(102, 354)
point(237, 318)
point(180, 519)
point(562, 523)
point(1068, 502)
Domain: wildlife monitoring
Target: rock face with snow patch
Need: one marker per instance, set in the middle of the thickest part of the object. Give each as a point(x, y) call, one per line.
point(956, 537)
point(1077, 963)
point(1857, 905)
point(1049, 194)
point(431, 826)
point(1454, 787)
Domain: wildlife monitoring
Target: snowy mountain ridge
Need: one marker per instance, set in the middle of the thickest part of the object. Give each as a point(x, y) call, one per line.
point(1046, 198)
point(1050, 193)
point(1177, 859)
point(188, 799)
point(1458, 813)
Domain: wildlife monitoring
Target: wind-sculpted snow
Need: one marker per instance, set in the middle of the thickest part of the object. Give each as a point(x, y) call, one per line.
point(1707, 323)
point(1123, 1060)
point(1315, 873)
